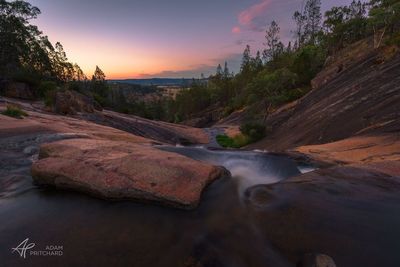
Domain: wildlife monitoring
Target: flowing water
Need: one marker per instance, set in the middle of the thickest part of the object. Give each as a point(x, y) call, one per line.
point(248, 168)
point(94, 232)
point(239, 222)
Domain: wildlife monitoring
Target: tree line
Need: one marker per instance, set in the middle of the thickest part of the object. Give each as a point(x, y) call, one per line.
point(282, 72)
point(27, 55)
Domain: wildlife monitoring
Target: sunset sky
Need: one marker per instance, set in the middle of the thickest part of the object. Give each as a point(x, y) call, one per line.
point(159, 38)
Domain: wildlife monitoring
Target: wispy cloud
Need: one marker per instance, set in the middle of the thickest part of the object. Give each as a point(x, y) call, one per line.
point(236, 29)
point(253, 18)
point(194, 71)
point(244, 41)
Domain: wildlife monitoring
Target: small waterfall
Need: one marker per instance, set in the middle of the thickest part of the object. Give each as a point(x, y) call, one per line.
point(248, 168)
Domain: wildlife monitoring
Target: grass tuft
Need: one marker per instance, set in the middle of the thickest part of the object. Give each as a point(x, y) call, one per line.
point(14, 111)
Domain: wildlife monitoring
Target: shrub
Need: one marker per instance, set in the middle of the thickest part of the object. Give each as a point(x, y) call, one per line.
point(255, 131)
point(237, 141)
point(100, 99)
point(177, 118)
point(308, 62)
point(27, 76)
point(75, 86)
point(272, 85)
point(45, 87)
point(252, 98)
point(14, 111)
point(290, 95)
point(49, 98)
point(228, 110)
point(224, 140)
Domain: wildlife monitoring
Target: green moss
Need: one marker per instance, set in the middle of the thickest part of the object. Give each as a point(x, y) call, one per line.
point(14, 111)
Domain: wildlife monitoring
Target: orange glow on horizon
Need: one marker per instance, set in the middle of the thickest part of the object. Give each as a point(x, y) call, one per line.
point(140, 56)
point(124, 62)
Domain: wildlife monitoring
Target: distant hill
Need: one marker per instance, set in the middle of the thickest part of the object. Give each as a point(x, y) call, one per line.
point(156, 81)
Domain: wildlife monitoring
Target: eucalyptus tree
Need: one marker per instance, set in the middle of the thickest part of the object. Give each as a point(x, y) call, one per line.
point(21, 44)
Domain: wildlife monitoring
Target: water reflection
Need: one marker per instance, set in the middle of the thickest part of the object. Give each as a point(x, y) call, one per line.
point(94, 232)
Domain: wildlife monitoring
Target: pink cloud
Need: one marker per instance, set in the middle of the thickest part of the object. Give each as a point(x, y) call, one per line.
point(236, 29)
point(252, 17)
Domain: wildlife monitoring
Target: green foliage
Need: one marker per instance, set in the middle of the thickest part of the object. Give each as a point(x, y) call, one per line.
point(26, 55)
point(49, 98)
point(21, 43)
point(345, 25)
point(237, 141)
point(308, 61)
point(14, 111)
point(189, 101)
point(272, 85)
point(394, 40)
point(100, 99)
point(177, 118)
point(250, 132)
point(27, 76)
point(255, 131)
point(385, 14)
point(45, 87)
point(273, 43)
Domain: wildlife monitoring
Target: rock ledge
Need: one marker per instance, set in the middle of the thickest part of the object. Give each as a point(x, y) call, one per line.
point(124, 170)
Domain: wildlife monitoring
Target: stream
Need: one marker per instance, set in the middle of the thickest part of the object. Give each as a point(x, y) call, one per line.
point(222, 231)
point(240, 222)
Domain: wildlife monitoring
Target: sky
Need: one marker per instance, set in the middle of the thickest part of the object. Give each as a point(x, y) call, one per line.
point(163, 38)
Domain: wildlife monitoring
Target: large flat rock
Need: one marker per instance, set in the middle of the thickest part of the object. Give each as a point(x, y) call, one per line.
point(124, 170)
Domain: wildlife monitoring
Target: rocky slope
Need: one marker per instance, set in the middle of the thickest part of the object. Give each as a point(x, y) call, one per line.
point(80, 109)
point(162, 131)
point(104, 161)
point(357, 97)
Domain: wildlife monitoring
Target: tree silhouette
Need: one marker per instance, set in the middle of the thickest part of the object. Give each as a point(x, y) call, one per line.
point(246, 60)
point(312, 13)
point(272, 42)
point(98, 75)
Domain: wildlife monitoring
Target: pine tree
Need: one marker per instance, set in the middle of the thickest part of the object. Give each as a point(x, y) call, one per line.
point(226, 71)
point(246, 60)
point(312, 13)
point(272, 42)
point(219, 71)
point(257, 62)
point(99, 85)
point(300, 21)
